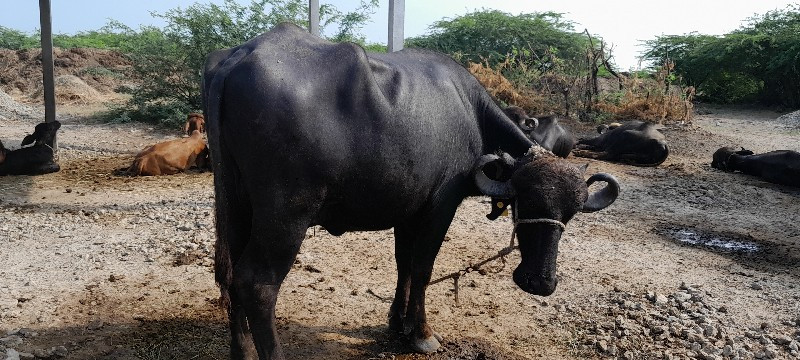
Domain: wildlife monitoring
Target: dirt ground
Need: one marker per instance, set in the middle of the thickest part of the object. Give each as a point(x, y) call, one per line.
point(690, 262)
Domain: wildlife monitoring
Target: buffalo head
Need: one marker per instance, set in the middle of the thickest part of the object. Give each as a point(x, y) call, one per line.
point(722, 157)
point(43, 133)
point(546, 193)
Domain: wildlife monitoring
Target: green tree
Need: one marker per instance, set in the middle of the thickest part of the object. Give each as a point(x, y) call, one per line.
point(16, 40)
point(169, 61)
point(492, 35)
point(759, 62)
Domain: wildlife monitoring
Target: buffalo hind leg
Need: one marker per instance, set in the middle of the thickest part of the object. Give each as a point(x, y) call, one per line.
point(403, 257)
point(259, 273)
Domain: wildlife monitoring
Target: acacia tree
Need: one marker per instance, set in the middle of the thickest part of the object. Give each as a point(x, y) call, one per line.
point(169, 61)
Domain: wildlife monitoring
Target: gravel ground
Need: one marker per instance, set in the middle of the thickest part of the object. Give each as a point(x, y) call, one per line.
point(689, 262)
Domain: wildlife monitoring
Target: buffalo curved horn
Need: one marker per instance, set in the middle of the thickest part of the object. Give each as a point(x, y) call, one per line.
point(604, 197)
point(493, 188)
point(523, 123)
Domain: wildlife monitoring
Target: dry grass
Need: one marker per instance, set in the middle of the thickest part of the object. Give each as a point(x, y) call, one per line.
point(641, 98)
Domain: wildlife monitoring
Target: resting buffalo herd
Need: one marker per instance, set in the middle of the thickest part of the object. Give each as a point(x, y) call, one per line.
point(375, 141)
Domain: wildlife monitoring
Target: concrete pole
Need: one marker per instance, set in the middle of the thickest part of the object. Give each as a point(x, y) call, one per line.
point(47, 64)
point(313, 17)
point(397, 11)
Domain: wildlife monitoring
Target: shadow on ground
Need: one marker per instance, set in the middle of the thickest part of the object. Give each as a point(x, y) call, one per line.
point(207, 338)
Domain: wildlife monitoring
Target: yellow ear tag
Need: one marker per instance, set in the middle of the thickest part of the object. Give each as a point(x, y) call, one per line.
point(505, 212)
point(500, 205)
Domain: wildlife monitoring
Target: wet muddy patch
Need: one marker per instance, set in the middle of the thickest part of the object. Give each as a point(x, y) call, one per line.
point(721, 242)
point(767, 254)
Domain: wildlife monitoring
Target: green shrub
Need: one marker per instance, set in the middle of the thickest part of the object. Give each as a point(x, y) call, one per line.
point(758, 62)
point(533, 39)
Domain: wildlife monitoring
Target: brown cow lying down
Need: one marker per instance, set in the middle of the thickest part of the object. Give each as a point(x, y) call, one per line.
point(171, 157)
point(194, 121)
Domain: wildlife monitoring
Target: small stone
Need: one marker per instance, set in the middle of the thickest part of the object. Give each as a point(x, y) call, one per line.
point(794, 346)
point(95, 325)
point(11, 341)
point(660, 299)
point(722, 309)
point(12, 354)
point(727, 350)
point(59, 351)
point(602, 346)
point(781, 339)
point(681, 296)
point(756, 286)
point(42, 353)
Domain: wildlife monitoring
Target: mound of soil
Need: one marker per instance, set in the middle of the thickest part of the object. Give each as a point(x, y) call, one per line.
point(21, 70)
point(70, 89)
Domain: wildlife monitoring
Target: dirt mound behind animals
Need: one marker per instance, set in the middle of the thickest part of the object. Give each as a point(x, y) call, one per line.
point(101, 70)
point(70, 89)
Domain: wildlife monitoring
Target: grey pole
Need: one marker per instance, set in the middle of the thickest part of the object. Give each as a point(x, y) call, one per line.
point(313, 17)
point(47, 64)
point(397, 10)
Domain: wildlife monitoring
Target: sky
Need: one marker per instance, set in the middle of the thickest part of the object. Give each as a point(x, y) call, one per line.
point(621, 23)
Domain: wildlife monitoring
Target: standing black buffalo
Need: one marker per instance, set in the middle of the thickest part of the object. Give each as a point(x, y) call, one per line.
point(303, 131)
point(32, 160)
point(779, 167)
point(545, 130)
point(634, 142)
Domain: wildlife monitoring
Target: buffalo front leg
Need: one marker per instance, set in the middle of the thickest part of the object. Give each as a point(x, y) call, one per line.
point(425, 238)
point(258, 276)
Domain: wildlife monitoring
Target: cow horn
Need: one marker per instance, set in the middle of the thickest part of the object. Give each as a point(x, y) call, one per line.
point(493, 188)
point(604, 197)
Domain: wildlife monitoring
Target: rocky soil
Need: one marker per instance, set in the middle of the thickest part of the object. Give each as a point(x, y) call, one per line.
point(688, 263)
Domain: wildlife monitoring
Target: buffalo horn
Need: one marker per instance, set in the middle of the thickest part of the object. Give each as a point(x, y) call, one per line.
point(523, 123)
point(493, 188)
point(604, 197)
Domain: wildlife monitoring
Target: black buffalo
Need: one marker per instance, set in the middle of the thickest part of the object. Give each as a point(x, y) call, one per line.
point(545, 130)
point(32, 160)
point(778, 167)
point(634, 142)
point(303, 132)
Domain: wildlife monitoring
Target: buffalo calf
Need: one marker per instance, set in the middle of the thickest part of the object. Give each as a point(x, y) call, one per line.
point(32, 160)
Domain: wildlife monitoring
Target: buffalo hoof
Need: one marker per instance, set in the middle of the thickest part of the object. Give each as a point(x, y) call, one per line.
point(429, 345)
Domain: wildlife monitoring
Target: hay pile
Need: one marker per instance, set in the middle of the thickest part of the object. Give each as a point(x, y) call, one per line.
point(503, 90)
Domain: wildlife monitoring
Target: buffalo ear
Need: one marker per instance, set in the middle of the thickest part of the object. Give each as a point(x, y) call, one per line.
point(29, 139)
point(583, 168)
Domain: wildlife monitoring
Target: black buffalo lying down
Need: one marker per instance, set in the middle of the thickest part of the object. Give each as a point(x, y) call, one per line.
point(545, 130)
point(779, 167)
point(32, 160)
point(303, 131)
point(634, 142)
